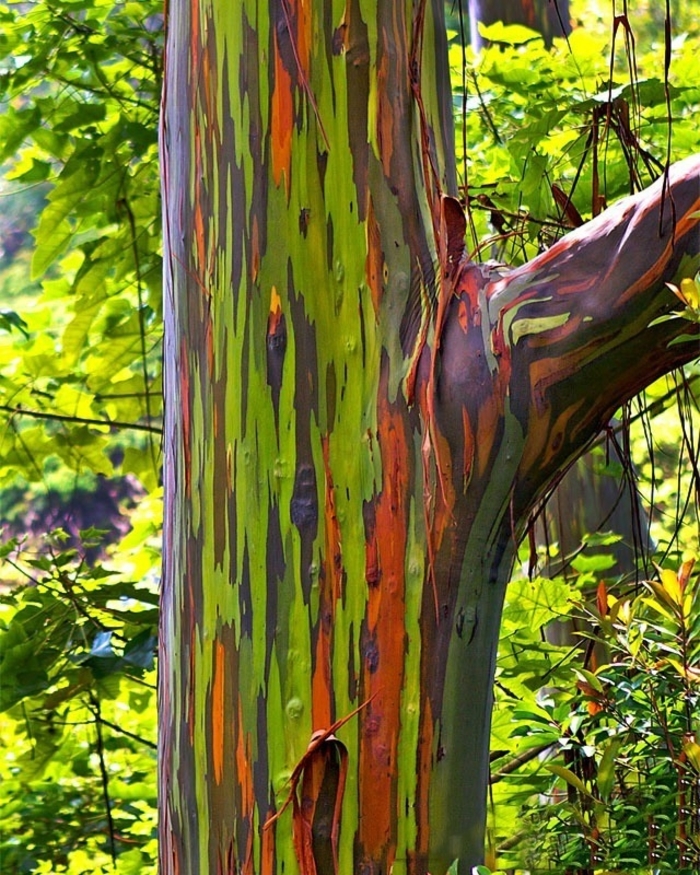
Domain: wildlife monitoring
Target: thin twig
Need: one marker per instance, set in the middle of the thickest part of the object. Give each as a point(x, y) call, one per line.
point(80, 420)
point(95, 707)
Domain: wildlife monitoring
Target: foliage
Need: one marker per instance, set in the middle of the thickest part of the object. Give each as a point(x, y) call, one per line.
point(616, 778)
point(81, 402)
point(80, 120)
point(546, 139)
point(77, 646)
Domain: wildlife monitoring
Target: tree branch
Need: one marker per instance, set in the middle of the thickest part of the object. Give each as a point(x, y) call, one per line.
point(564, 340)
point(605, 285)
point(80, 420)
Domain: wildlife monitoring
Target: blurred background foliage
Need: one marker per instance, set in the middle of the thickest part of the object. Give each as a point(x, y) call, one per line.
point(595, 756)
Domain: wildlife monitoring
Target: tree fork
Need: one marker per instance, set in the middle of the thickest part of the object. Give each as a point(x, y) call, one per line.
point(358, 424)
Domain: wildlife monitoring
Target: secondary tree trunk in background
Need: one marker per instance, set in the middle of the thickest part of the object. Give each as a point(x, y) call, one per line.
point(548, 17)
point(358, 424)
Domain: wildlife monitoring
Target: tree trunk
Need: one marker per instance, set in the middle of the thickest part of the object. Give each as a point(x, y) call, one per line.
point(549, 17)
point(358, 424)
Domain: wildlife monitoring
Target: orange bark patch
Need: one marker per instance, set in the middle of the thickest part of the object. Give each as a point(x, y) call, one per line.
point(374, 264)
point(195, 44)
point(197, 218)
point(550, 371)
point(320, 789)
point(558, 433)
point(301, 11)
point(273, 320)
point(488, 418)
point(537, 436)
point(529, 10)
point(217, 711)
point(544, 437)
point(384, 641)
point(267, 854)
point(463, 316)
point(443, 496)
point(282, 121)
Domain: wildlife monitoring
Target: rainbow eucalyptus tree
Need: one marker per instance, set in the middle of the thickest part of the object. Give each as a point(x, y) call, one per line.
point(359, 422)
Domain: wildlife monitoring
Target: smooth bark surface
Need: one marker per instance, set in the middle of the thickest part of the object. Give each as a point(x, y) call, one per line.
point(358, 424)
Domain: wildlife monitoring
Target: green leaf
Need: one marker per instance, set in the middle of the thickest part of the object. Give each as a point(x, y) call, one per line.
point(534, 603)
point(130, 862)
point(568, 776)
point(684, 338)
point(10, 320)
point(35, 761)
point(509, 34)
point(606, 768)
point(15, 127)
point(602, 539)
point(54, 231)
point(590, 679)
point(83, 114)
point(590, 564)
point(140, 651)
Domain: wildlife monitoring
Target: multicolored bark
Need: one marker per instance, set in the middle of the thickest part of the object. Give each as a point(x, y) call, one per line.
point(358, 424)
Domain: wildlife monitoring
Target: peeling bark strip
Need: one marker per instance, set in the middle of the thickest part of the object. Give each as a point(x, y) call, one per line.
point(358, 424)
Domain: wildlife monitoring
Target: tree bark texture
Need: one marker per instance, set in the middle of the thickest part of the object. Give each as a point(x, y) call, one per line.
point(358, 424)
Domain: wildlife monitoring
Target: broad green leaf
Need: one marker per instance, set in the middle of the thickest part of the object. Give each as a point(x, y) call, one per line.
point(606, 768)
point(140, 651)
point(532, 604)
point(15, 127)
point(54, 230)
point(568, 776)
point(510, 34)
point(586, 563)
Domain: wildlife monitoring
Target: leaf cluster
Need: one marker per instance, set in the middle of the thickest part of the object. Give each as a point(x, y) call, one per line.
point(77, 650)
point(599, 762)
point(547, 138)
point(80, 120)
point(80, 407)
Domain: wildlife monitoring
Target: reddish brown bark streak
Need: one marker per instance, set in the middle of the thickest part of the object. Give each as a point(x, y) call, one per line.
point(383, 641)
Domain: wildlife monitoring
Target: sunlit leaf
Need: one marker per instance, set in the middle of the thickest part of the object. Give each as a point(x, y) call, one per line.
point(568, 776)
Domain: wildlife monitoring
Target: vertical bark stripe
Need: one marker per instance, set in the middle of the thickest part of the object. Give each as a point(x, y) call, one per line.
point(331, 589)
point(244, 775)
point(218, 711)
point(384, 645)
point(282, 121)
